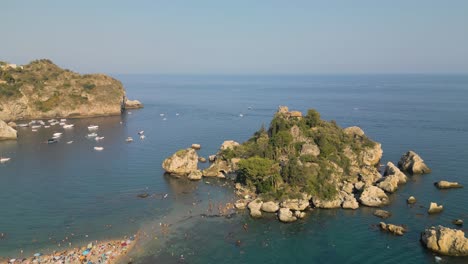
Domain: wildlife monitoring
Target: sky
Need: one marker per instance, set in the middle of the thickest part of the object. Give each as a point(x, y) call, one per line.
point(238, 36)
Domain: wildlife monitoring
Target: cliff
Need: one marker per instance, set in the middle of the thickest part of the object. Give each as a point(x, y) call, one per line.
point(41, 89)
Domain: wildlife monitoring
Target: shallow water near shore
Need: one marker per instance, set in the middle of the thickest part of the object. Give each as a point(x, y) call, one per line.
point(58, 191)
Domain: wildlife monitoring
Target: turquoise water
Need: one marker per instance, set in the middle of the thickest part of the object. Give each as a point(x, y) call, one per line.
point(50, 192)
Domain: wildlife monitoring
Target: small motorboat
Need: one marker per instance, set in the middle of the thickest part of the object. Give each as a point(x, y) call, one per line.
point(52, 141)
point(241, 115)
point(129, 139)
point(68, 126)
point(34, 130)
point(51, 121)
point(177, 114)
point(141, 132)
point(63, 120)
point(69, 142)
point(23, 125)
point(46, 126)
point(98, 148)
point(58, 134)
point(161, 114)
point(35, 126)
point(142, 137)
point(3, 160)
point(62, 123)
point(93, 127)
point(98, 138)
point(92, 135)
point(164, 119)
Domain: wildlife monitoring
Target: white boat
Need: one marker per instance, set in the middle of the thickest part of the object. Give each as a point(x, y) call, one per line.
point(58, 134)
point(98, 138)
point(177, 114)
point(2, 160)
point(142, 137)
point(92, 135)
point(69, 142)
point(23, 125)
point(41, 122)
point(35, 126)
point(63, 120)
point(241, 115)
point(93, 127)
point(62, 123)
point(129, 139)
point(161, 114)
point(98, 148)
point(141, 132)
point(34, 130)
point(46, 126)
point(164, 119)
point(51, 121)
point(68, 126)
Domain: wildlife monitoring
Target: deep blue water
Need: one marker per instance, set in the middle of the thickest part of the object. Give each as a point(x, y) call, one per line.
point(50, 192)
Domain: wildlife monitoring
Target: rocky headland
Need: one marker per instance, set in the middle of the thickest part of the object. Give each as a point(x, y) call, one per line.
point(42, 89)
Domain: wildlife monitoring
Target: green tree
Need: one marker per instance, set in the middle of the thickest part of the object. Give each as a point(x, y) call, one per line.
point(262, 173)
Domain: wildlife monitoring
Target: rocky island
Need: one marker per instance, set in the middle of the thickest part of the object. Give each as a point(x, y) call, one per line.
point(302, 162)
point(42, 89)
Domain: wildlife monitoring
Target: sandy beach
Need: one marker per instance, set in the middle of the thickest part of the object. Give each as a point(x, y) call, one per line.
point(104, 252)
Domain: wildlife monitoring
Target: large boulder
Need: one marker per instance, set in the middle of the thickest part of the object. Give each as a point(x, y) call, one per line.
point(6, 132)
point(373, 196)
point(382, 213)
point(412, 163)
point(285, 215)
point(411, 200)
point(255, 207)
point(270, 207)
point(447, 185)
point(393, 178)
point(354, 131)
point(348, 201)
point(445, 241)
point(181, 163)
point(394, 229)
point(434, 208)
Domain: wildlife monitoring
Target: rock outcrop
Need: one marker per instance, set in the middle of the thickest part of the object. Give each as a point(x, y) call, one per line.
point(7, 132)
point(373, 196)
point(133, 104)
point(219, 168)
point(447, 185)
point(181, 163)
point(434, 208)
point(228, 144)
point(412, 163)
point(41, 90)
point(285, 215)
point(445, 241)
point(296, 204)
point(391, 228)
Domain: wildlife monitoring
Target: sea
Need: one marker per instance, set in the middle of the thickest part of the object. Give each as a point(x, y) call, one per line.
point(54, 196)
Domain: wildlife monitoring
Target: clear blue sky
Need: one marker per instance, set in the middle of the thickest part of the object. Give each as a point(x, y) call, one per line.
point(239, 36)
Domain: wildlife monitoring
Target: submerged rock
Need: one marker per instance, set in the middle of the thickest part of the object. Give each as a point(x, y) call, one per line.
point(394, 229)
point(447, 185)
point(202, 159)
point(382, 214)
point(285, 215)
point(458, 222)
point(434, 208)
point(373, 196)
point(445, 241)
point(7, 132)
point(412, 163)
point(181, 163)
